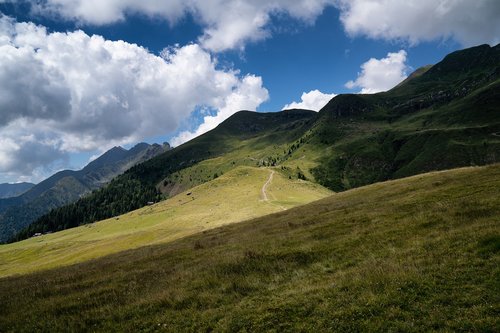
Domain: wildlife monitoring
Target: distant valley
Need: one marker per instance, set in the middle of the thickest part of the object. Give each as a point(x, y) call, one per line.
point(14, 190)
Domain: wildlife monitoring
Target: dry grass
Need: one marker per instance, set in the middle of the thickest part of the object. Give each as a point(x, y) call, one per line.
point(231, 198)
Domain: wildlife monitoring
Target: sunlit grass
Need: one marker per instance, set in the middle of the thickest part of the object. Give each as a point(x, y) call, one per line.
point(232, 197)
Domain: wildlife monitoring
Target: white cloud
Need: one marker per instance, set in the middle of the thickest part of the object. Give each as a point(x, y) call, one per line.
point(381, 74)
point(313, 100)
point(100, 12)
point(227, 24)
point(247, 96)
point(230, 24)
point(468, 22)
point(70, 92)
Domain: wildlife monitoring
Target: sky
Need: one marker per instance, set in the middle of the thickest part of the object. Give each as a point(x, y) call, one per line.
point(78, 77)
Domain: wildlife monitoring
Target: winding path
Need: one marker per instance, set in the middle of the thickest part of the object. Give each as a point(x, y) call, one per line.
point(264, 192)
point(266, 184)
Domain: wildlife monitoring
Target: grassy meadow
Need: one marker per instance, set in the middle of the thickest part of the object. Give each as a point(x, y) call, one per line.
point(414, 255)
point(232, 197)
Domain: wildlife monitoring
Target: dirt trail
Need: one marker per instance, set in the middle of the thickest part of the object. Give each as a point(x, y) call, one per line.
point(264, 192)
point(264, 187)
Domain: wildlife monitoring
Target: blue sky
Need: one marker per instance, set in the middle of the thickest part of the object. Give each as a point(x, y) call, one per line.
point(80, 76)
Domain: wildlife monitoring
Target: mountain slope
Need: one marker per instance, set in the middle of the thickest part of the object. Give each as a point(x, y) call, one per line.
point(240, 194)
point(245, 139)
point(415, 254)
point(446, 116)
point(68, 186)
point(14, 190)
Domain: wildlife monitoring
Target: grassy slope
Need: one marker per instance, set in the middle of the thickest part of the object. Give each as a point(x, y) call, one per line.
point(250, 152)
point(245, 139)
point(233, 197)
point(416, 254)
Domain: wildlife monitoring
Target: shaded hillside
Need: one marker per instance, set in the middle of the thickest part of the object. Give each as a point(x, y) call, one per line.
point(68, 186)
point(415, 255)
point(14, 190)
point(444, 117)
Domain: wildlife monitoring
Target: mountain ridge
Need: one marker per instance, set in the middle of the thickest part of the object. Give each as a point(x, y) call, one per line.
point(69, 185)
point(431, 122)
point(8, 190)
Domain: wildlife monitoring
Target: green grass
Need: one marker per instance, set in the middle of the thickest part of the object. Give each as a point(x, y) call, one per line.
point(232, 197)
point(415, 255)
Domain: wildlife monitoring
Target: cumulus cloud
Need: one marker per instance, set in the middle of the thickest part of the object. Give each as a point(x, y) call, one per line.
point(246, 96)
point(230, 24)
point(227, 24)
point(70, 92)
point(313, 100)
point(468, 22)
point(381, 74)
point(27, 153)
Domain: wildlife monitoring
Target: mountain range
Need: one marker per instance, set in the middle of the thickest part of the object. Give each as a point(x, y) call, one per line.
point(64, 187)
point(440, 117)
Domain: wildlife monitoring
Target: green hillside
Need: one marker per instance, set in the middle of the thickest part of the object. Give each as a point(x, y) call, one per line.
point(416, 254)
point(444, 116)
point(240, 194)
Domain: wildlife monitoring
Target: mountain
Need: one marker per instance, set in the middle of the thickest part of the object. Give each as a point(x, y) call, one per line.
point(68, 186)
point(14, 190)
point(418, 254)
point(443, 116)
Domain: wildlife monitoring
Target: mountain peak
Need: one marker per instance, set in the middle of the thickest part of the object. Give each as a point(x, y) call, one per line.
point(138, 148)
point(141, 145)
point(474, 58)
point(346, 105)
point(417, 73)
point(115, 149)
point(251, 122)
